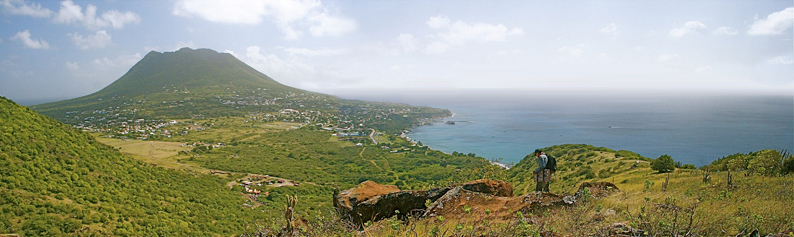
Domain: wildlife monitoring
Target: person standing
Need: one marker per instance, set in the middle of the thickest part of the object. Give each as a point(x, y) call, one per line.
point(542, 174)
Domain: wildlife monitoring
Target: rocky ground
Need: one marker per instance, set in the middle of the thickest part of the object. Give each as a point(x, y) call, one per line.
point(482, 199)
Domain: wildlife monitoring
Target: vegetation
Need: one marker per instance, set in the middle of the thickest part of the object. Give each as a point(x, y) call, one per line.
point(663, 164)
point(57, 180)
point(765, 162)
point(686, 207)
point(202, 83)
point(178, 124)
point(60, 181)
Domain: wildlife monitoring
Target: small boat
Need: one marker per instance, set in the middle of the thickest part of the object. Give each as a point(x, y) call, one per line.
point(450, 122)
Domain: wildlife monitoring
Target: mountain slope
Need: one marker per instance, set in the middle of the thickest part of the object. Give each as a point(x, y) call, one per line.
point(182, 84)
point(57, 181)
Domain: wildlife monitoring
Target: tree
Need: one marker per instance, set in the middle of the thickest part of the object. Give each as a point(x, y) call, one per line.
point(766, 162)
point(663, 164)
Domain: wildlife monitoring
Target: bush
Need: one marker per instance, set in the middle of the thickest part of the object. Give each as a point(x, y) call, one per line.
point(788, 165)
point(663, 164)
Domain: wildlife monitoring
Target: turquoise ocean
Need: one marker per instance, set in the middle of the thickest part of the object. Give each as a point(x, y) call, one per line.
point(692, 129)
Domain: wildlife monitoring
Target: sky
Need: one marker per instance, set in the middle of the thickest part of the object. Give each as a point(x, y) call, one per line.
point(53, 50)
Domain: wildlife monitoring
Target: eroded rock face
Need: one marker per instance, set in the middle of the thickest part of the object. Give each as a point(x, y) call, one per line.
point(370, 201)
point(363, 192)
point(488, 186)
point(480, 198)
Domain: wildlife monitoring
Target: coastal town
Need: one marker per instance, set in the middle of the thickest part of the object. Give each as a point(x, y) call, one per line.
point(348, 121)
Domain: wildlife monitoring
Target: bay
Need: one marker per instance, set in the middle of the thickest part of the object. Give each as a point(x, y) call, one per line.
point(692, 129)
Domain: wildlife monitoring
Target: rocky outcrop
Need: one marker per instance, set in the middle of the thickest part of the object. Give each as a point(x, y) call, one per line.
point(488, 186)
point(597, 189)
point(480, 198)
point(370, 201)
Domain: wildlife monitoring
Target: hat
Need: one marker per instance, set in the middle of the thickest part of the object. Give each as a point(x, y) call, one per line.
point(538, 151)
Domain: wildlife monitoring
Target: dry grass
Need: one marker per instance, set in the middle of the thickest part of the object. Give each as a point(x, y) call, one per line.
point(162, 154)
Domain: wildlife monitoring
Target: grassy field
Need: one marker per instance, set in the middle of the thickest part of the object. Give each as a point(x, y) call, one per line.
point(233, 129)
point(163, 154)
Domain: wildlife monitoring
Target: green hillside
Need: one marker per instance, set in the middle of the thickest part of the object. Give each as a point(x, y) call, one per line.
point(202, 83)
point(55, 181)
point(182, 84)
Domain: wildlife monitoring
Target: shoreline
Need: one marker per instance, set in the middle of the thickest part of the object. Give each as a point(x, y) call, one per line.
point(406, 132)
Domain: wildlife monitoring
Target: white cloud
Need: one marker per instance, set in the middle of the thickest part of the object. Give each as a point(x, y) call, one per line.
point(725, 31)
point(610, 29)
point(774, 24)
point(325, 25)
point(20, 7)
point(689, 27)
point(73, 13)
point(605, 57)
point(263, 61)
point(380, 49)
point(181, 44)
point(667, 57)
point(781, 60)
point(702, 69)
point(437, 22)
point(457, 33)
point(272, 65)
point(97, 41)
point(230, 52)
point(313, 53)
point(436, 47)
point(407, 42)
point(23, 37)
point(286, 14)
point(573, 51)
point(120, 61)
point(73, 66)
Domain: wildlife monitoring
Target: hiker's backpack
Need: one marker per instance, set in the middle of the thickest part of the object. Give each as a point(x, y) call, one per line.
point(551, 163)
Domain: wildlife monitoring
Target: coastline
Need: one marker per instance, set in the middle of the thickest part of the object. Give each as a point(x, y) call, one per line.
point(691, 130)
point(439, 119)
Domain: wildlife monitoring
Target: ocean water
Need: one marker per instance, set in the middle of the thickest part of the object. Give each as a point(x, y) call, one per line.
point(692, 129)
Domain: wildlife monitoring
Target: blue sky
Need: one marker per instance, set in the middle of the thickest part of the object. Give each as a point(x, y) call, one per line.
point(63, 49)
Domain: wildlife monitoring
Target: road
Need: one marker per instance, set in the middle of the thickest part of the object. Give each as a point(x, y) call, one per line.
point(372, 136)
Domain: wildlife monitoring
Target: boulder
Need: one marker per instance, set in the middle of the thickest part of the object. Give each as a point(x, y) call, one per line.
point(597, 189)
point(362, 192)
point(488, 186)
point(459, 203)
point(370, 201)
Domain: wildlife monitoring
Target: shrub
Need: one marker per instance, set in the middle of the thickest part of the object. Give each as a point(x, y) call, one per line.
point(663, 164)
point(788, 165)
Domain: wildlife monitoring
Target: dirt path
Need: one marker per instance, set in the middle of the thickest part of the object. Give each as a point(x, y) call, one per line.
point(360, 155)
point(376, 165)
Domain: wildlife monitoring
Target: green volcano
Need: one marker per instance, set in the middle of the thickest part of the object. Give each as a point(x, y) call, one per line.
point(182, 84)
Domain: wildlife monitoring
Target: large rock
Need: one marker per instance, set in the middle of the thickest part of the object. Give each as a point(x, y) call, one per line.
point(490, 199)
point(370, 201)
point(488, 186)
point(597, 189)
point(459, 203)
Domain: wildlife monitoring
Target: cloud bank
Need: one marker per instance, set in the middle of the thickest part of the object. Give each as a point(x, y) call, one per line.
point(288, 15)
